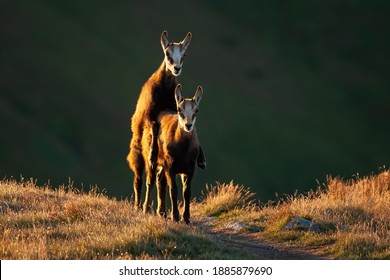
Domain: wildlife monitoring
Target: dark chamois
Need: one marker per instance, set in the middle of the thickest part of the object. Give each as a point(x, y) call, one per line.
point(156, 95)
point(178, 151)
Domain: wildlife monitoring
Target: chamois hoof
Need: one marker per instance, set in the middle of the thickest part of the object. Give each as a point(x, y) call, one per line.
point(148, 209)
point(176, 218)
point(137, 207)
point(162, 214)
point(186, 218)
point(202, 164)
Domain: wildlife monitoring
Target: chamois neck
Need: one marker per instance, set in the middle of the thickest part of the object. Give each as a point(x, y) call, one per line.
point(166, 75)
point(181, 134)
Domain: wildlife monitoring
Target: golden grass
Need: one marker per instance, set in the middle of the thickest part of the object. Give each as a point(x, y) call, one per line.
point(41, 223)
point(354, 216)
point(223, 198)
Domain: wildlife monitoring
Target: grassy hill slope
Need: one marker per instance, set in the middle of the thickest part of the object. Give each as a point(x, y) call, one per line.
point(42, 223)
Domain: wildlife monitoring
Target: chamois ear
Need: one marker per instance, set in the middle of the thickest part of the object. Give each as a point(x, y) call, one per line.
point(186, 40)
point(178, 94)
point(164, 40)
point(198, 95)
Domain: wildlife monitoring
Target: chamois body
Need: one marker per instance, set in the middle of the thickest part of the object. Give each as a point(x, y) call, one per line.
point(178, 151)
point(157, 95)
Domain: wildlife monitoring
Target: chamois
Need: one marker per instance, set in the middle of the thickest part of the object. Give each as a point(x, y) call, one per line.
point(178, 151)
point(157, 95)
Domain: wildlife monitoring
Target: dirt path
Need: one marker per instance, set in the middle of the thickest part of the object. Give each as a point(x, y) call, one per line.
point(260, 247)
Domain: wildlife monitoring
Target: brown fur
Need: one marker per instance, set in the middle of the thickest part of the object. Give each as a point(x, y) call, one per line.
point(178, 152)
point(156, 95)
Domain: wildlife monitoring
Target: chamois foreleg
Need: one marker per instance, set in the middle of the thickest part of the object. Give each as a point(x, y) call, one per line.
point(201, 158)
point(186, 181)
point(171, 180)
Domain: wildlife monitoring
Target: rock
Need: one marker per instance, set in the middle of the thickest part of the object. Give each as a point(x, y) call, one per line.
point(209, 219)
point(299, 223)
point(236, 226)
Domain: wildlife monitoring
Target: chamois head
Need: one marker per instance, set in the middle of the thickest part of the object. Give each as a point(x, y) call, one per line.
point(187, 108)
point(174, 52)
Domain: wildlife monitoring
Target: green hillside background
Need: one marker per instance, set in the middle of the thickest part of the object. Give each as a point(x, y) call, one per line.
point(294, 90)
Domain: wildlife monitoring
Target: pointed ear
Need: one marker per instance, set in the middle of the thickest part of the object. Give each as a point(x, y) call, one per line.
point(178, 95)
point(164, 40)
point(186, 40)
point(198, 95)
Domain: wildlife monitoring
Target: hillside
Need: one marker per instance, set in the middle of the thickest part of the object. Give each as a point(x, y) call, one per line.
point(63, 223)
point(41, 223)
point(293, 90)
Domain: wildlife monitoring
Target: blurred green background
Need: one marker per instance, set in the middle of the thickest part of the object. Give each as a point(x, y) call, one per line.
point(294, 90)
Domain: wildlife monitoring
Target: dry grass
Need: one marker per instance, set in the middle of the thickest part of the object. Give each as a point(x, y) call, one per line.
point(354, 216)
point(354, 213)
point(222, 198)
point(41, 223)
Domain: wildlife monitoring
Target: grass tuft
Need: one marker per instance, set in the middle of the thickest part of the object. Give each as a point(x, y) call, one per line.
point(222, 198)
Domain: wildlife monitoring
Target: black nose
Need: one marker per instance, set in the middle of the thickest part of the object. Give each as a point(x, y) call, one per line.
point(177, 69)
point(188, 126)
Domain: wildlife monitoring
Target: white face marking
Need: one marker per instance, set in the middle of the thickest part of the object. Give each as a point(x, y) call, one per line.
point(174, 53)
point(187, 111)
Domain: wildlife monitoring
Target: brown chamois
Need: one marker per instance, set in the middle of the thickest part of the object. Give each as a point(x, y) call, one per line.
point(178, 151)
point(156, 95)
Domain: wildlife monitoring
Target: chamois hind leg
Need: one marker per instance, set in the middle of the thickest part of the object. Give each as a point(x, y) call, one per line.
point(161, 193)
point(137, 185)
point(137, 165)
point(147, 146)
point(186, 181)
point(171, 180)
point(150, 181)
point(153, 151)
point(201, 158)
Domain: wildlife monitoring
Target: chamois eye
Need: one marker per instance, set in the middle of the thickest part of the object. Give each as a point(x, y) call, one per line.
point(169, 58)
point(182, 115)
